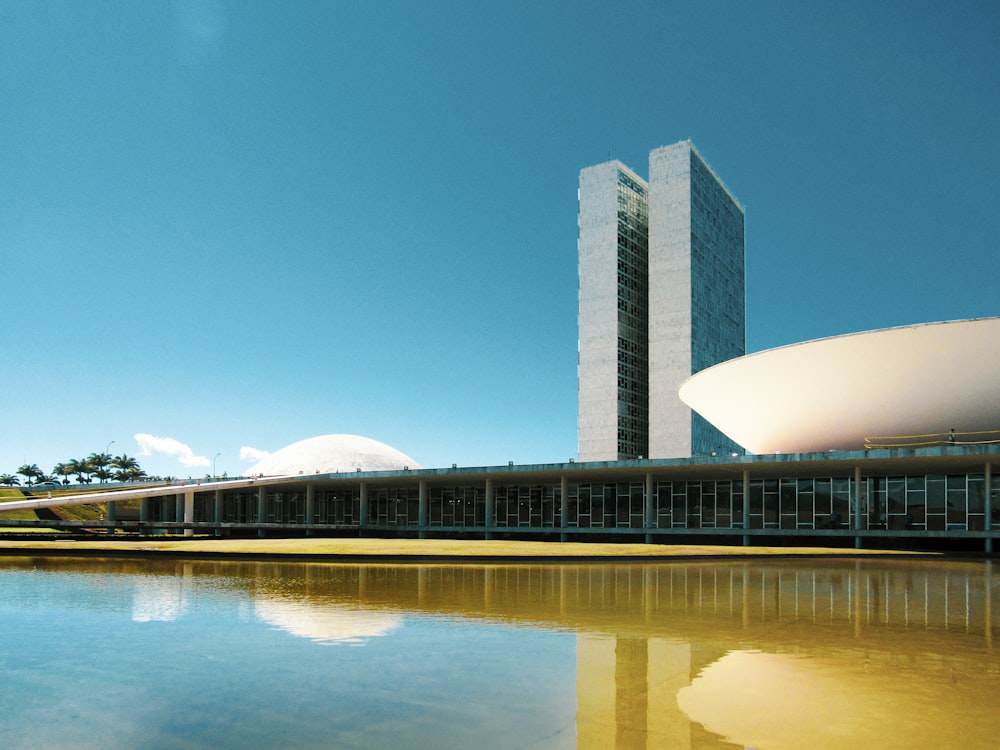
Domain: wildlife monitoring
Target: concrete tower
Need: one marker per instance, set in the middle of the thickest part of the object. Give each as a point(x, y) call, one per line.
point(661, 269)
point(613, 375)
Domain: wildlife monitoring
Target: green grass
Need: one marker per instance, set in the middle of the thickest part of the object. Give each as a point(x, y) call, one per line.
point(403, 548)
point(11, 494)
point(95, 512)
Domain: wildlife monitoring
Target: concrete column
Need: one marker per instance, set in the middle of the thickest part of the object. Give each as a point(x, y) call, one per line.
point(111, 507)
point(422, 508)
point(857, 505)
point(490, 508)
point(310, 507)
point(143, 510)
point(261, 509)
point(649, 516)
point(746, 506)
point(363, 506)
point(218, 511)
point(189, 511)
point(988, 507)
point(563, 506)
point(178, 510)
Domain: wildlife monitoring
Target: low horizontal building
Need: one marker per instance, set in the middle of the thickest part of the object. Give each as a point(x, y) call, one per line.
point(909, 497)
point(906, 481)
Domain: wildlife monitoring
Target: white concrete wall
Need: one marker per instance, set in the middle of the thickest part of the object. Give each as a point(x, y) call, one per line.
point(597, 421)
point(669, 299)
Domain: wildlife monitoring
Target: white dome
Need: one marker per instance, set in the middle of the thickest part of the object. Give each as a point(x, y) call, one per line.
point(331, 454)
point(835, 393)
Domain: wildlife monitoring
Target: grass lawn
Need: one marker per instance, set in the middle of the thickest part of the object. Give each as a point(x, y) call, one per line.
point(10, 494)
point(445, 548)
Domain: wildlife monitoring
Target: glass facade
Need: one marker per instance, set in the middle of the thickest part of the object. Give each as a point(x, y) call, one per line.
point(633, 318)
point(718, 308)
point(931, 502)
point(935, 503)
point(457, 506)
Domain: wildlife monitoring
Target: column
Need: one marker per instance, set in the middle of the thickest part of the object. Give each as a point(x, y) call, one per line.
point(490, 508)
point(310, 507)
point(746, 506)
point(422, 508)
point(563, 507)
point(143, 511)
point(857, 506)
point(218, 511)
point(178, 510)
point(363, 506)
point(189, 511)
point(111, 507)
point(261, 510)
point(649, 517)
point(988, 507)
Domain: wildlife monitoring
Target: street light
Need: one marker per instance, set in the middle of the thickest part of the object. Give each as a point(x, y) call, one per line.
point(107, 455)
point(214, 475)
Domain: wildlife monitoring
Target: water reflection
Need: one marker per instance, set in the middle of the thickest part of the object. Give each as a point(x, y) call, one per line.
point(327, 624)
point(682, 655)
point(159, 600)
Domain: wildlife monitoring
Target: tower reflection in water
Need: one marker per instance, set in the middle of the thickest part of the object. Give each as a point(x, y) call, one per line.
point(774, 655)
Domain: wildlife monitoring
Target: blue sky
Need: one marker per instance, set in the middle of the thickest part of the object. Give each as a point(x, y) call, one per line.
point(243, 224)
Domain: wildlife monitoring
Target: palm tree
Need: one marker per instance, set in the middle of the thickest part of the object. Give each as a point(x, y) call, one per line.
point(100, 463)
point(63, 470)
point(9, 480)
point(133, 474)
point(124, 467)
point(30, 472)
point(82, 468)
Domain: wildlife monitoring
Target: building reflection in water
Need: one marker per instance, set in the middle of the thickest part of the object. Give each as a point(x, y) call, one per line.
point(328, 625)
point(160, 598)
point(773, 655)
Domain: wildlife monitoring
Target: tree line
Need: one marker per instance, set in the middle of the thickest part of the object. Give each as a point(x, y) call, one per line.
point(100, 466)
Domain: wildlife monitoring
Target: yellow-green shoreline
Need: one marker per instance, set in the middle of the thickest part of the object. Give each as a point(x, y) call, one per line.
point(413, 548)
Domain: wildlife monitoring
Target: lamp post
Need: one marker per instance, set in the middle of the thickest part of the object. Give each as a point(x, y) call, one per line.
point(107, 454)
point(214, 475)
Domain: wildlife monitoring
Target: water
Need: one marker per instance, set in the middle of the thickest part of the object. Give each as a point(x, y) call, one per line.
point(775, 655)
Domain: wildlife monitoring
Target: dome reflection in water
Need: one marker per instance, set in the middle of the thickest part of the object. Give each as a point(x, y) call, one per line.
point(769, 655)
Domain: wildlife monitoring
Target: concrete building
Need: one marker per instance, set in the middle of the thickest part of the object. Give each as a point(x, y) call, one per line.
point(925, 497)
point(613, 379)
point(661, 296)
point(904, 387)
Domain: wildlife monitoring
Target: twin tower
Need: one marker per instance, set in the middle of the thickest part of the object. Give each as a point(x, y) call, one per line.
point(661, 273)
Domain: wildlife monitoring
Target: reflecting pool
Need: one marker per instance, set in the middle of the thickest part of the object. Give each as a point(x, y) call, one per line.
point(111, 653)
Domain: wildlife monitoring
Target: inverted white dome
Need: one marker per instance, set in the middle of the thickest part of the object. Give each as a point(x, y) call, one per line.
point(837, 392)
point(326, 624)
point(331, 454)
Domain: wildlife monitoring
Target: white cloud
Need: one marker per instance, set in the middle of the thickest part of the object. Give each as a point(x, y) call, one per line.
point(150, 444)
point(252, 454)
